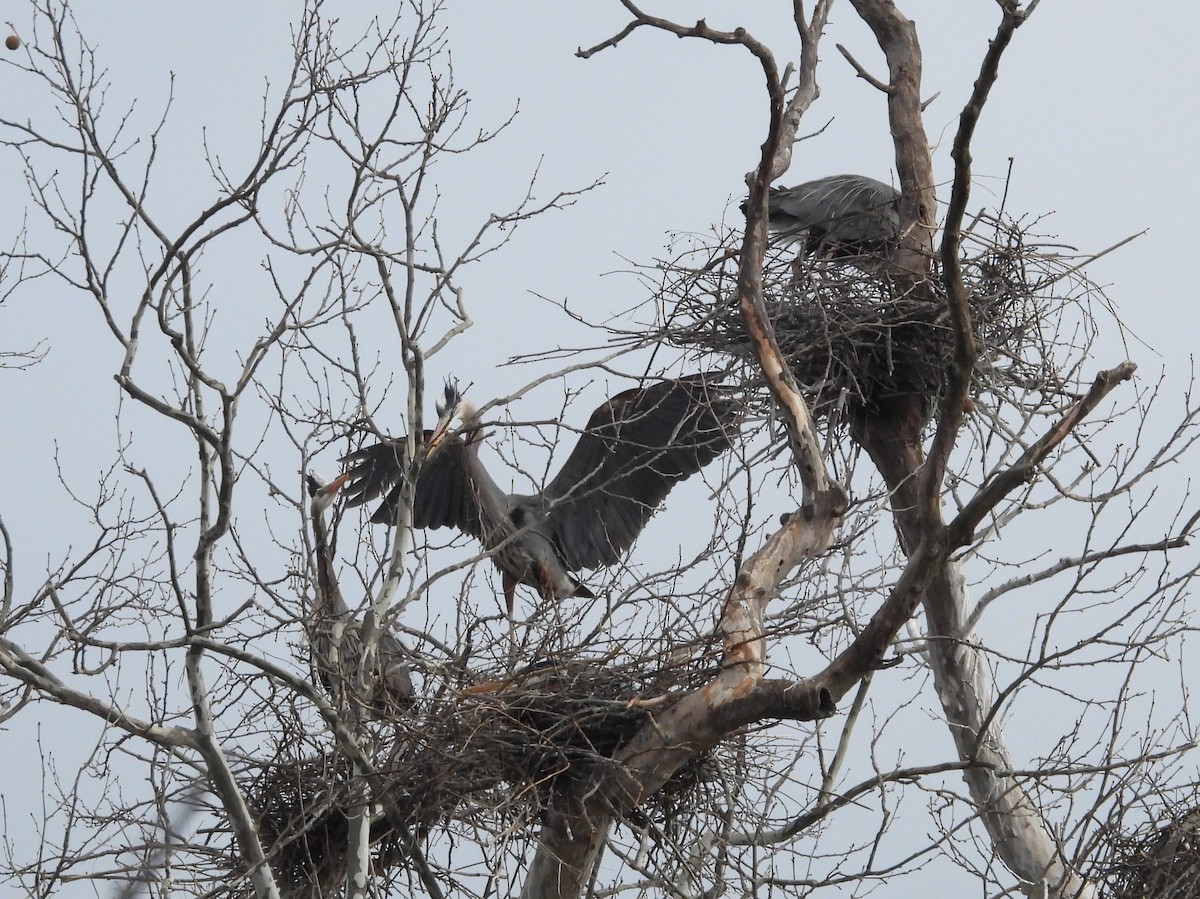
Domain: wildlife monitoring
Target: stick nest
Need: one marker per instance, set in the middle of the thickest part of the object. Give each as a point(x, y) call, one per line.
point(857, 340)
point(509, 745)
point(1160, 860)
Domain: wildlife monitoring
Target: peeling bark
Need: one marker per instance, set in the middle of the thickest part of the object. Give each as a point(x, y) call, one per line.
point(1019, 832)
point(573, 833)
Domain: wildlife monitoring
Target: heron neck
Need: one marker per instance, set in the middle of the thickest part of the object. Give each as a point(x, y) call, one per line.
point(468, 414)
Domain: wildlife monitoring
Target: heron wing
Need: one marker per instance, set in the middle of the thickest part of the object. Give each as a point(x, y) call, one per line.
point(846, 209)
point(443, 498)
point(635, 448)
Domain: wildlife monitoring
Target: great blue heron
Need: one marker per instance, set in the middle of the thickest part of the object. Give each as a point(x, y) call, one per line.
point(839, 216)
point(336, 634)
point(634, 449)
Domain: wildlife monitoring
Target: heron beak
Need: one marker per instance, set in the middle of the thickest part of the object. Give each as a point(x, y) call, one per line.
point(335, 485)
point(323, 495)
point(440, 431)
point(319, 491)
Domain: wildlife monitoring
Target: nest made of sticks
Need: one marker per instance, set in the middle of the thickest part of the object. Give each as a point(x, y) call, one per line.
point(858, 338)
point(302, 807)
point(1160, 860)
point(510, 746)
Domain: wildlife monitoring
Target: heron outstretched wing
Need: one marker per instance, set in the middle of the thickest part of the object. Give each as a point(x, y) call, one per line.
point(444, 495)
point(635, 448)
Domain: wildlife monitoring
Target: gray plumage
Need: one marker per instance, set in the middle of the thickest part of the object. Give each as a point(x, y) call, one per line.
point(336, 633)
point(634, 449)
point(837, 216)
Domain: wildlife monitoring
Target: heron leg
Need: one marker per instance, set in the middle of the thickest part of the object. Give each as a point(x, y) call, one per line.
point(510, 588)
point(545, 582)
point(509, 584)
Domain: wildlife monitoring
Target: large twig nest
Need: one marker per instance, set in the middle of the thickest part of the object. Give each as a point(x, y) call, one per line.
point(507, 745)
point(858, 339)
point(301, 807)
point(558, 721)
point(1159, 860)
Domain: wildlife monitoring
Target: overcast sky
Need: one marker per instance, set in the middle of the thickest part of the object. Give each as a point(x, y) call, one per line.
point(1092, 109)
point(1094, 114)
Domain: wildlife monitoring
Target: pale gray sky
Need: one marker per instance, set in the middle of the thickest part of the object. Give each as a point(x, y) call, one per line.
point(1095, 108)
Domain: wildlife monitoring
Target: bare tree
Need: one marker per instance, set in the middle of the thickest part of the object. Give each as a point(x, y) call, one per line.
point(287, 705)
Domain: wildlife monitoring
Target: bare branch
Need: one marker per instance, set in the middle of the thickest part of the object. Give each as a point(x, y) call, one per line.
point(962, 528)
point(28, 670)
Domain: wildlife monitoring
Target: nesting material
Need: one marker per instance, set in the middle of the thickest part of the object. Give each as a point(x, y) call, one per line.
point(858, 337)
point(510, 744)
point(1160, 860)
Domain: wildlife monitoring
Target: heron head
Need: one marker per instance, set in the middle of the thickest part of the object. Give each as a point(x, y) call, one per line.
point(322, 494)
point(451, 407)
point(447, 406)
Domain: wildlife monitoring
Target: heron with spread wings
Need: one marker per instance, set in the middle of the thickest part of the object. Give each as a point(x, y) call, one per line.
point(633, 450)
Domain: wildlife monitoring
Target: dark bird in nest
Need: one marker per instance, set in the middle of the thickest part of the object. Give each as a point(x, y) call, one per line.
point(841, 216)
point(337, 641)
point(634, 449)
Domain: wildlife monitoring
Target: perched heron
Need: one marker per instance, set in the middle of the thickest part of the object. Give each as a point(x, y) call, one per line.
point(840, 216)
point(634, 449)
point(336, 633)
